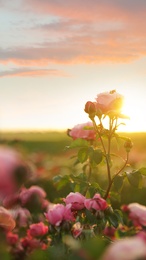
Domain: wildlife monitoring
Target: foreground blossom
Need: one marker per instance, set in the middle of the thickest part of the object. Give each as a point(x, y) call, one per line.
point(137, 213)
point(84, 131)
point(76, 200)
point(126, 249)
point(96, 203)
point(58, 213)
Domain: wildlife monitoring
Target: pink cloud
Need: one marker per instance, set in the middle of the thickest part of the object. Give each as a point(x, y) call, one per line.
point(84, 32)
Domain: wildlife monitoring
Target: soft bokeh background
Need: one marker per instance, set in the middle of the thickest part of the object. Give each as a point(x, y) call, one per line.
point(56, 55)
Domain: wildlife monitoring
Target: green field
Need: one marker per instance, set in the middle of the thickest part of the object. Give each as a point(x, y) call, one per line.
point(55, 142)
point(51, 142)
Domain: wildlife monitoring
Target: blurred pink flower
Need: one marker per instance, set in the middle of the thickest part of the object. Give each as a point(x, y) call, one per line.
point(96, 203)
point(132, 248)
point(58, 212)
point(27, 195)
point(110, 232)
point(12, 238)
point(11, 200)
point(83, 131)
point(137, 213)
point(10, 160)
point(21, 216)
point(108, 101)
point(6, 220)
point(37, 229)
point(76, 200)
point(29, 244)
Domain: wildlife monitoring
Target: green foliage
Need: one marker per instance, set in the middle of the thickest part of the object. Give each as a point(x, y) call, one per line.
point(135, 178)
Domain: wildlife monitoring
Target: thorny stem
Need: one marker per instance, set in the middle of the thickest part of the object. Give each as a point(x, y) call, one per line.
point(106, 157)
point(111, 182)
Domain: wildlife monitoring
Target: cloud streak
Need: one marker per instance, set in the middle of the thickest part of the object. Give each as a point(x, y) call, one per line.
point(25, 72)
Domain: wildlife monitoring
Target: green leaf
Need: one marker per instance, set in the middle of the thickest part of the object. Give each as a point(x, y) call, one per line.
point(119, 215)
point(79, 143)
point(142, 171)
point(118, 182)
point(96, 156)
point(113, 220)
point(90, 217)
point(135, 178)
point(83, 154)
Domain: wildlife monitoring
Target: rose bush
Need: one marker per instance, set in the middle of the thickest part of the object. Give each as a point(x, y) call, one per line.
point(77, 215)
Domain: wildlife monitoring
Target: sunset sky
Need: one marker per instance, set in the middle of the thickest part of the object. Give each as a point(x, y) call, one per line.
point(55, 55)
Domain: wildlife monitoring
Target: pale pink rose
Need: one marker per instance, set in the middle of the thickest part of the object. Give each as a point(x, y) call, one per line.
point(27, 195)
point(77, 229)
point(96, 203)
point(137, 213)
point(37, 229)
point(58, 212)
point(132, 248)
point(6, 220)
point(76, 200)
point(108, 101)
point(82, 131)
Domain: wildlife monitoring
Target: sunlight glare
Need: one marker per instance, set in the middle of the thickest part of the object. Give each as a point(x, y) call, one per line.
point(133, 108)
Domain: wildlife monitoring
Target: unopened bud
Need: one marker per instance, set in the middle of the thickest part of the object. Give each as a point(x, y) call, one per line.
point(128, 145)
point(90, 108)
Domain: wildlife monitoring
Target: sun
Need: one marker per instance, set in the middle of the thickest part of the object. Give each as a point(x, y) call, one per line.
point(134, 109)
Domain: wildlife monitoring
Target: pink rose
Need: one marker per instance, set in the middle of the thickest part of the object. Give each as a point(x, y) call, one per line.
point(137, 213)
point(126, 249)
point(6, 220)
point(108, 101)
point(96, 203)
point(76, 200)
point(58, 212)
point(83, 131)
point(38, 229)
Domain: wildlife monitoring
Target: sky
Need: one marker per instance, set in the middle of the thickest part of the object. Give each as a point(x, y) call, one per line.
point(55, 55)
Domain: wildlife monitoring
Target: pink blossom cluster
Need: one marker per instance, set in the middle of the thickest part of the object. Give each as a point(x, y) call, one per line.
point(75, 201)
